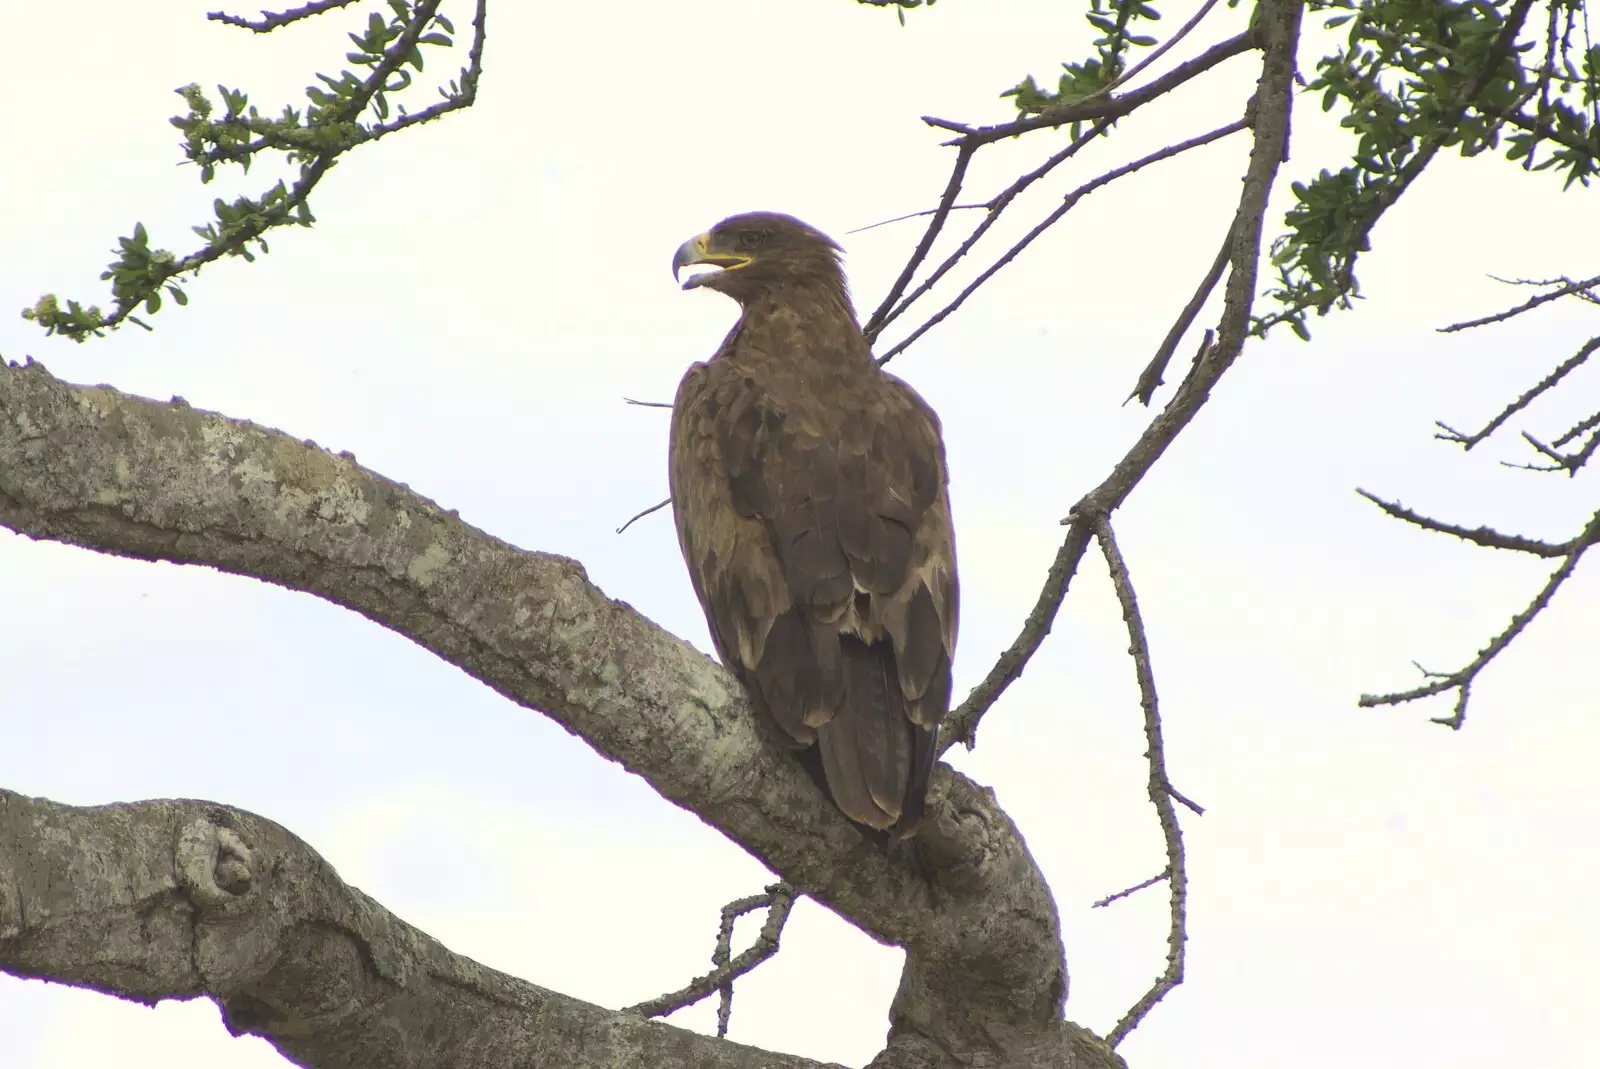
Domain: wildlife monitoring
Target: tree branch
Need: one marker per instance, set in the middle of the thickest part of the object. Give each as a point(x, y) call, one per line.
point(1462, 679)
point(1159, 788)
point(1108, 107)
point(1478, 536)
point(1569, 287)
point(1565, 368)
point(272, 20)
point(1280, 30)
point(98, 468)
point(173, 899)
point(777, 901)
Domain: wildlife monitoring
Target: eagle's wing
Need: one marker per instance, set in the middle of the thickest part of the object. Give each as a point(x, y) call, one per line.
point(817, 534)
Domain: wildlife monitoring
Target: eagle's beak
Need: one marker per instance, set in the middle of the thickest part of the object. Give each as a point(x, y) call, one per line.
point(697, 250)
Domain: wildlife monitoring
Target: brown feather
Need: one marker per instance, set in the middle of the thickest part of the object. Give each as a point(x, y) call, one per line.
point(809, 491)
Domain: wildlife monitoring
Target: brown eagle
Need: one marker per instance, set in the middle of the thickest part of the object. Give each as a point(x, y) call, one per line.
point(809, 488)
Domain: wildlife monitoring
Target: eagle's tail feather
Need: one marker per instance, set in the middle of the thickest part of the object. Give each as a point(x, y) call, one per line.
point(867, 747)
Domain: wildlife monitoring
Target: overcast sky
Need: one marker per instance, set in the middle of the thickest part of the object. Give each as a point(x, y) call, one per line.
point(477, 297)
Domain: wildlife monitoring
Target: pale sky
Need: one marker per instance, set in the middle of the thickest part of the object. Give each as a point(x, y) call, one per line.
point(1367, 888)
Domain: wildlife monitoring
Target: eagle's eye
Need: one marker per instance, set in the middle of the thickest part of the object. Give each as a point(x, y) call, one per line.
point(750, 239)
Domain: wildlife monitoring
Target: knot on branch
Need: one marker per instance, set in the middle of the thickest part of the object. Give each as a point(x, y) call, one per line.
point(213, 864)
point(962, 841)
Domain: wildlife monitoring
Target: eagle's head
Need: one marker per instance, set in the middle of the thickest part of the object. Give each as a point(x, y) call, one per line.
point(760, 252)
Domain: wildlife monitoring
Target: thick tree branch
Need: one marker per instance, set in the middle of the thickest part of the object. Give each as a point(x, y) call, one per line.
point(138, 478)
point(174, 899)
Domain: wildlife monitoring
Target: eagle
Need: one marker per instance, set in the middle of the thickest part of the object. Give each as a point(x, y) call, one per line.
point(811, 497)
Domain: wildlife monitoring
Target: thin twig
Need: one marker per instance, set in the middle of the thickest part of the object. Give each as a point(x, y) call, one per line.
point(648, 404)
point(1150, 379)
point(1487, 537)
point(1565, 368)
point(1068, 203)
point(1126, 891)
point(271, 20)
point(777, 901)
point(1160, 789)
point(1462, 679)
point(641, 515)
point(924, 213)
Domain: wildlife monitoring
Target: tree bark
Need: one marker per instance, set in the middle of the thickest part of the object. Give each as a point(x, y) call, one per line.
point(985, 978)
point(173, 899)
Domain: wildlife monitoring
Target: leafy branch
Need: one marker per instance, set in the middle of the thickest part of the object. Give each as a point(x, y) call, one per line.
point(1417, 77)
point(330, 126)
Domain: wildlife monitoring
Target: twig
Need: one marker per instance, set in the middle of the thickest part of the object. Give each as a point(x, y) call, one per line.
point(1478, 536)
point(1126, 891)
point(1462, 679)
point(1150, 379)
point(1567, 462)
point(777, 901)
point(641, 515)
point(952, 189)
point(1160, 789)
point(1068, 203)
point(1565, 368)
point(271, 20)
point(648, 404)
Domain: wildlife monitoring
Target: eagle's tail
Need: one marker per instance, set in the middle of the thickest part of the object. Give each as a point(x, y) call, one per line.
point(874, 758)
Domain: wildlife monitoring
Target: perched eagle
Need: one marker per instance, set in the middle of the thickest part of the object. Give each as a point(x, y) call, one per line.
point(809, 488)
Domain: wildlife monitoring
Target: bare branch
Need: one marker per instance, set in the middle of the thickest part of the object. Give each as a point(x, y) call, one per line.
point(962, 724)
point(1068, 203)
point(1462, 679)
point(993, 208)
point(1159, 787)
point(1128, 891)
point(1280, 27)
point(777, 901)
point(1111, 107)
point(1567, 462)
point(271, 20)
point(173, 899)
point(1478, 536)
point(648, 404)
point(1150, 379)
point(1565, 368)
point(952, 189)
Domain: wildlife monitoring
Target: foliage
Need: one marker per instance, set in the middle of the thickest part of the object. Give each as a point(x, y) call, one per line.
point(311, 140)
point(1113, 20)
point(1415, 77)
